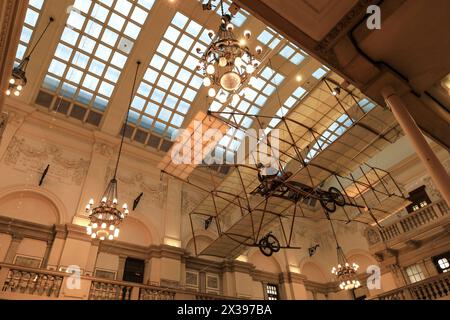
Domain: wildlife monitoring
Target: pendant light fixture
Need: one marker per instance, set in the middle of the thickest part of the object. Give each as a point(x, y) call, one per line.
point(227, 63)
point(106, 217)
point(18, 79)
point(345, 273)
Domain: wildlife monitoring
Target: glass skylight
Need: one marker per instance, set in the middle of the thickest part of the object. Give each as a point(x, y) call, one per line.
point(320, 72)
point(366, 105)
point(94, 48)
point(292, 53)
point(290, 102)
point(253, 99)
point(171, 82)
point(334, 131)
point(32, 17)
point(270, 38)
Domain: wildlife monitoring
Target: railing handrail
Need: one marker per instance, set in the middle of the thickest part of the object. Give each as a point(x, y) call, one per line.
point(416, 219)
point(414, 285)
point(162, 289)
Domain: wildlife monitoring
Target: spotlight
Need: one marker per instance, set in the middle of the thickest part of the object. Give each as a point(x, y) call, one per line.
point(336, 91)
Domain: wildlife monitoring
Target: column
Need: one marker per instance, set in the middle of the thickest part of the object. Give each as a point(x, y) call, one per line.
point(13, 246)
point(121, 269)
point(147, 271)
point(172, 229)
point(421, 146)
point(47, 254)
point(92, 258)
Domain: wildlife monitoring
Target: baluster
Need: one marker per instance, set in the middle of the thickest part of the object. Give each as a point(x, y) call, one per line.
point(116, 292)
point(415, 294)
point(409, 223)
point(438, 288)
point(431, 290)
point(397, 230)
point(444, 289)
point(421, 216)
point(416, 221)
point(446, 285)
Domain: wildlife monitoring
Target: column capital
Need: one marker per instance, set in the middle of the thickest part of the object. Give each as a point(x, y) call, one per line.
point(17, 237)
point(387, 92)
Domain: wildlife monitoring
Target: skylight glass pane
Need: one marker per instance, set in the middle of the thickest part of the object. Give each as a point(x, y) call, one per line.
point(290, 102)
point(32, 18)
point(334, 131)
point(319, 73)
point(171, 82)
point(94, 48)
point(251, 102)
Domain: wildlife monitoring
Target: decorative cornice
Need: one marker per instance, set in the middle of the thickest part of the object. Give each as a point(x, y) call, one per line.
point(23, 229)
point(343, 26)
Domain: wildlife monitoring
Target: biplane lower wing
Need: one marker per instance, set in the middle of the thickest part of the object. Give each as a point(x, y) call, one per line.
point(242, 234)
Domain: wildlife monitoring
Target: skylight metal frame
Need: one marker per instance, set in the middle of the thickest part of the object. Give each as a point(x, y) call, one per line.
point(257, 94)
point(92, 52)
point(33, 16)
point(171, 82)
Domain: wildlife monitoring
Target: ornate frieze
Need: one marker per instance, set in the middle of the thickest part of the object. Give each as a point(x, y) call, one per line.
point(131, 184)
point(3, 121)
point(28, 157)
point(103, 149)
point(190, 199)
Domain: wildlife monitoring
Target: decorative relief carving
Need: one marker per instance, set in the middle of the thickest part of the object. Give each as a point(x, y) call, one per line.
point(190, 199)
point(3, 121)
point(25, 157)
point(372, 236)
point(103, 149)
point(132, 184)
point(350, 18)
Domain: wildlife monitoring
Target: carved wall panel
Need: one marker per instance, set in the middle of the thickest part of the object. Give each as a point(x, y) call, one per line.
point(27, 156)
point(131, 184)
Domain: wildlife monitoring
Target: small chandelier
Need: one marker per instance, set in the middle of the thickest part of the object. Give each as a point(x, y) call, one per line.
point(106, 217)
point(345, 273)
point(227, 63)
point(18, 78)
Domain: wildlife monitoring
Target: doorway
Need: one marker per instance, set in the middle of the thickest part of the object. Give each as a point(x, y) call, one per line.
point(134, 270)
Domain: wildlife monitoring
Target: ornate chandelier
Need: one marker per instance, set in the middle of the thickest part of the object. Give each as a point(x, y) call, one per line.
point(227, 63)
point(18, 78)
point(345, 273)
point(106, 217)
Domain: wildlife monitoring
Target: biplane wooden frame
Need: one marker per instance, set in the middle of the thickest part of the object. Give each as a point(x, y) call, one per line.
point(242, 219)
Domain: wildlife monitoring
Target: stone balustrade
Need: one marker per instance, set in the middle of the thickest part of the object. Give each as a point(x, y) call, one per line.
point(19, 282)
point(433, 288)
point(32, 282)
point(426, 216)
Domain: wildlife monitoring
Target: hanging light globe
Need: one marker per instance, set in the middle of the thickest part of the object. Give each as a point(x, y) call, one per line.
point(223, 62)
point(207, 82)
point(230, 81)
point(212, 92)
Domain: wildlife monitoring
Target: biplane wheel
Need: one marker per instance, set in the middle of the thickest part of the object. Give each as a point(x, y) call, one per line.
point(265, 248)
point(328, 205)
point(273, 243)
point(338, 198)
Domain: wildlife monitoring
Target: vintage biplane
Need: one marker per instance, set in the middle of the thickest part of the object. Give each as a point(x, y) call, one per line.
point(314, 165)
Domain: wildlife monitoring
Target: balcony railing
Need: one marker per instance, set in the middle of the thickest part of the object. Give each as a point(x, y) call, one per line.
point(437, 287)
point(19, 282)
point(428, 215)
point(31, 282)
